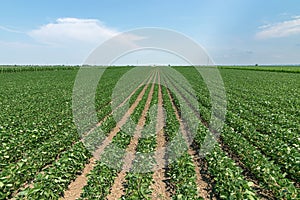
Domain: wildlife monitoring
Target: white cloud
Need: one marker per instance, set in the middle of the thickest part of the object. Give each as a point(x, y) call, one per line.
point(72, 30)
point(10, 30)
point(71, 40)
point(281, 29)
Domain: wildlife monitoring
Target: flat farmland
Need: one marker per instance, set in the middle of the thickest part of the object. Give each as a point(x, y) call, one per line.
point(256, 156)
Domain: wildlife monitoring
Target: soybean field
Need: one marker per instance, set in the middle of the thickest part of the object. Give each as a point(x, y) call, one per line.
point(143, 146)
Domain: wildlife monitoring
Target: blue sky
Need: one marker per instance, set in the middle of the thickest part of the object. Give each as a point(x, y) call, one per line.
point(231, 31)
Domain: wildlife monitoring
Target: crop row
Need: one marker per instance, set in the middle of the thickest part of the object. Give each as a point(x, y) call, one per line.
point(13, 69)
point(30, 156)
point(254, 159)
point(25, 117)
point(181, 169)
point(101, 178)
point(280, 69)
point(286, 157)
point(269, 175)
point(26, 136)
point(283, 154)
point(139, 179)
point(98, 134)
point(227, 176)
point(55, 179)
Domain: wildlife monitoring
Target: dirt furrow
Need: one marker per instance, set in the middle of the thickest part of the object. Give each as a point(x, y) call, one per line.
point(202, 186)
point(117, 189)
point(159, 190)
point(262, 192)
point(75, 188)
point(91, 162)
point(119, 106)
point(108, 139)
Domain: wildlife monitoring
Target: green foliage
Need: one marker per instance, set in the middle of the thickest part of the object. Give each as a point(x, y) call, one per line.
point(37, 127)
point(101, 178)
point(139, 179)
point(261, 128)
point(181, 169)
point(40, 142)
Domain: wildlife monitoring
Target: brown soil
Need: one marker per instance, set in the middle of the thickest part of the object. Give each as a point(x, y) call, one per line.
point(75, 188)
point(262, 192)
point(202, 186)
point(117, 190)
point(159, 188)
point(119, 106)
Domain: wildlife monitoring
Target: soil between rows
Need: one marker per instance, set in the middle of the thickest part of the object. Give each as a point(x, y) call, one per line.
point(75, 188)
point(117, 190)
